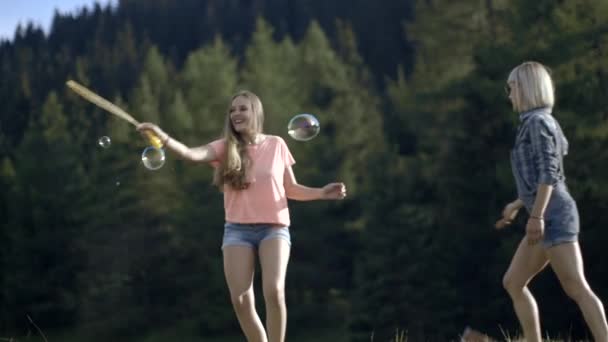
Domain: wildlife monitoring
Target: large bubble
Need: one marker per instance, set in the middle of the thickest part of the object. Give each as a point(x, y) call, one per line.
point(153, 158)
point(303, 127)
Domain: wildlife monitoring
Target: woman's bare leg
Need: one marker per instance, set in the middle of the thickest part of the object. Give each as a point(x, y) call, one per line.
point(274, 257)
point(526, 263)
point(239, 267)
point(567, 262)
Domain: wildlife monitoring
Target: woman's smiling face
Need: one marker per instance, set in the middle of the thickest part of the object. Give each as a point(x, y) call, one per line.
point(241, 115)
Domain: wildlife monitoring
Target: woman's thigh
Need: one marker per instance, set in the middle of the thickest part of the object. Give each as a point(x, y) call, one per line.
point(239, 267)
point(567, 263)
point(527, 261)
point(274, 257)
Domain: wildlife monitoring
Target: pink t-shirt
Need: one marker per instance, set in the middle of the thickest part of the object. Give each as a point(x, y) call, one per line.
point(264, 201)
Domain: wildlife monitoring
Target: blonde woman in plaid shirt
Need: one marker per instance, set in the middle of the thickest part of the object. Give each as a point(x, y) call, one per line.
point(553, 222)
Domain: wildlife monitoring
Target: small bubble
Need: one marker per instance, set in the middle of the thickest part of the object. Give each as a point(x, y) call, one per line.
point(104, 141)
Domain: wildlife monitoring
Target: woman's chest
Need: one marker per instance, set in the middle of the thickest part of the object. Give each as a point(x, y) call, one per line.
point(266, 164)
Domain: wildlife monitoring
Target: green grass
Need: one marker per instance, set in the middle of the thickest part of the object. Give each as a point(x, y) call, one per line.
point(186, 335)
point(183, 334)
point(401, 336)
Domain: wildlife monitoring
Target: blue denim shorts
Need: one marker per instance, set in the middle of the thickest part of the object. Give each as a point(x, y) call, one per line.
point(246, 234)
point(561, 218)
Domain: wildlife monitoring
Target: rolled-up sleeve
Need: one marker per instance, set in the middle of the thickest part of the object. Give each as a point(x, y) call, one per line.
point(544, 149)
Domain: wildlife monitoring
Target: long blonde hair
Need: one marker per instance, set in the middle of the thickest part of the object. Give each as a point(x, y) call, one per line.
point(533, 86)
point(236, 164)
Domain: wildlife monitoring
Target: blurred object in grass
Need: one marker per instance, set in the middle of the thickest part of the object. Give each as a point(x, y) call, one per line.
point(472, 335)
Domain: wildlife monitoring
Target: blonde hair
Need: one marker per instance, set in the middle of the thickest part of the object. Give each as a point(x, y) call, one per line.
point(236, 163)
point(533, 87)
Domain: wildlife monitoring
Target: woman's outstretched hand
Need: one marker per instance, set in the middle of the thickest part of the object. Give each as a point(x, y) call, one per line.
point(147, 128)
point(334, 191)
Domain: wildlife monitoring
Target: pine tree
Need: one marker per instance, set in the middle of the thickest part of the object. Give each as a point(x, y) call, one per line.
point(208, 79)
point(269, 72)
point(421, 268)
point(44, 255)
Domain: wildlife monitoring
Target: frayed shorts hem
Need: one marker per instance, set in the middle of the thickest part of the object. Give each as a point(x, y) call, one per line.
point(252, 235)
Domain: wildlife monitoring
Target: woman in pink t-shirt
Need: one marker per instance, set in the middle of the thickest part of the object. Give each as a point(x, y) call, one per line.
point(254, 172)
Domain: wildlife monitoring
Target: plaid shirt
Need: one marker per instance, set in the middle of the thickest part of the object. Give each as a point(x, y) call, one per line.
point(537, 156)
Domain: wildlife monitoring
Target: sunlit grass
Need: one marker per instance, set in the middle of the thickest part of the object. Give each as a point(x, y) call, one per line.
point(506, 336)
point(401, 336)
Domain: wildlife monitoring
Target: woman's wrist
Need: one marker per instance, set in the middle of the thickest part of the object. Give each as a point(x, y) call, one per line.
point(540, 218)
point(321, 193)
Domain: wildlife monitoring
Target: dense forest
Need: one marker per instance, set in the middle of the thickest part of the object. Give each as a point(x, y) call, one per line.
point(414, 119)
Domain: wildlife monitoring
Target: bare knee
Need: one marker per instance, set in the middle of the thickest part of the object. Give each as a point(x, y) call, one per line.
point(274, 295)
point(575, 288)
point(512, 285)
point(242, 302)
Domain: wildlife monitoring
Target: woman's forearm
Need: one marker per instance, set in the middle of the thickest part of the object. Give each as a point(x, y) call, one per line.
point(300, 192)
point(195, 154)
point(177, 147)
point(203, 153)
point(543, 194)
point(518, 203)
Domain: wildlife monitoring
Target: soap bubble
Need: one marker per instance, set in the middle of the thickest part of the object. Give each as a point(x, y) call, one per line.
point(104, 141)
point(153, 158)
point(303, 127)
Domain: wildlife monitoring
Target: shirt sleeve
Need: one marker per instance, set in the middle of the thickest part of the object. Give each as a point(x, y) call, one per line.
point(288, 159)
point(219, 147)
point(544, 149)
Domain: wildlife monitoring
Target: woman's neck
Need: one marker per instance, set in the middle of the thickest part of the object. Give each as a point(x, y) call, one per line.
point(251, 139)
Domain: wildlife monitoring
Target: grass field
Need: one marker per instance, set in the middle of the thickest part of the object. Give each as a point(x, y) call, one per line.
point(167, 336)
point(185, 335)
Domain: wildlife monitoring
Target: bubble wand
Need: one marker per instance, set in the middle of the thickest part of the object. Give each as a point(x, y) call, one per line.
point(92, 97)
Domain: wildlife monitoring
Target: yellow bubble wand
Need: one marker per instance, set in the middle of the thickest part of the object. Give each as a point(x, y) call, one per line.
point(92, 97)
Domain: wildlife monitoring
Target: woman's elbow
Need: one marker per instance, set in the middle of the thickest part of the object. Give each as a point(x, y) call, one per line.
point(549, 178)
point(199, 157)
point(289, 193)
point(190, 157)
point(292, 192)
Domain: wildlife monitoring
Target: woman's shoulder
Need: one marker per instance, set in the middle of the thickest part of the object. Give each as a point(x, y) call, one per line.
point(217, 143)
point(218, 140)
point(544, 120)
point(274, 139)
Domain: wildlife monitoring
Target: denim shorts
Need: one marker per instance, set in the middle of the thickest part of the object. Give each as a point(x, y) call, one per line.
point(252, 234)
point(561, 218)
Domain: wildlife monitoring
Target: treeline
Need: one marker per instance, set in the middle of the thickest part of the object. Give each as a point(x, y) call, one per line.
point(94, 242)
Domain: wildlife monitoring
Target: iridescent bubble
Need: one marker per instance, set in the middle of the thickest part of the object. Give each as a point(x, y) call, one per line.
point(104, 141)
point(153, 158)
point(303, 127)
